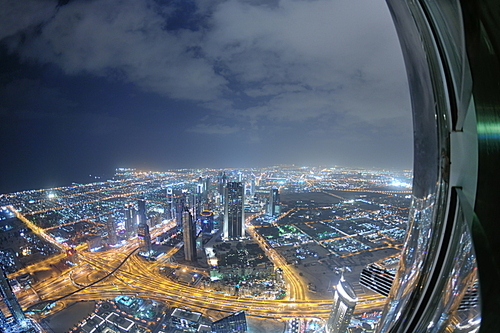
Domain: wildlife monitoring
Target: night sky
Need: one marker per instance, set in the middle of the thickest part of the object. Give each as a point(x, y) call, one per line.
point(88, 86)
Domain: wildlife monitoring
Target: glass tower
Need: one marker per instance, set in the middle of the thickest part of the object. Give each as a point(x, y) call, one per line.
point(234, 210)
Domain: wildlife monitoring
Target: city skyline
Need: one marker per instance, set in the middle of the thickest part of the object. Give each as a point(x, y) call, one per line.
point(165, 85)
point(74, 243)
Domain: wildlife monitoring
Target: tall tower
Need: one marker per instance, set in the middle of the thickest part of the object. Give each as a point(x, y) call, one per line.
point(143, 234)
point(130, 219)
point(234, 210)
point(179, 209)
point(222, 185)
point(170, 204)
point(189, 235)
point(344, 302)
point(141, 207)
point(110, 226)
point(207, 221)
point(273, 207)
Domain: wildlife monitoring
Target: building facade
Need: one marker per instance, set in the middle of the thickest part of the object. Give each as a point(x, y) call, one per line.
point(344, 302)
point(234, 210)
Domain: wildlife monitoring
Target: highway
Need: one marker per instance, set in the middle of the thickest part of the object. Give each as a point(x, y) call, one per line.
point(119, 271)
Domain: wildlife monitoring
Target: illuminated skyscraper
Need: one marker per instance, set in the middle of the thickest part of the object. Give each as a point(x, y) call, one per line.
point(179, 209)
point(189, 235)
point(143, 234)
point(207, 221)
point(235, 323)
point(222, 184)
point(110, 226)
point(273, 207)
point(234, 210)
point(170, 213)
point(130, 219)
point(344, 302)
point(141, 207)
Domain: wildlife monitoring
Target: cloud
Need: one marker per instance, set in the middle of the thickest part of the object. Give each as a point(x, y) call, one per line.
point(309, 66)
point(17, 16)
point(129, 38)
point(213, 129)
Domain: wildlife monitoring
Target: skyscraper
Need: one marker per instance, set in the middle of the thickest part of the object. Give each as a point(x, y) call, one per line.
point(377, 278)
point(344, 302)
point(273, 207)
point(189, 235)
point(170, 213)
point(143, 234)
point(222, 185)
point(235, 323)
point(141, 207)
point(130, 219)
point(110, 226)
point(179, 209)
point(207, 221)
point(234, 210)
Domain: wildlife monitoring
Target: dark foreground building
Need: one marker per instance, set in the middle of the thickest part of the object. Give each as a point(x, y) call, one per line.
point(235, 323)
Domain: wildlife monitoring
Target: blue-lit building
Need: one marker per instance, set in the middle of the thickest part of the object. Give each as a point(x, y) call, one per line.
point(207, 221)
point(235, 323)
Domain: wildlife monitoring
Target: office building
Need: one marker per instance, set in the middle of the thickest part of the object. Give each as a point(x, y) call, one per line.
point(377, 278)
point(344, 302)
point(235, 323)
point(189, 235)
point(273, 205)
point(111, 229)
point(179, 209)
point(170, 211)
point(184, 321)
point(234, 211)
point(141, 212)
point(207, 221)
point(130, 219)
point(143, 234)
point(222, 184)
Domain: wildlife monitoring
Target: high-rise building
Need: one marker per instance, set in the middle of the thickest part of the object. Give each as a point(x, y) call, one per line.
point(206, 189)
point(111, 228)
point(130, 219)
point(143, 234)
point(273, 207)
point(12, 304)
point(207, 221)
point(141, 213)
point(344, 302)
point(235, 323)
point(377, 278)
point(179, 209)
point(189, 235)
point(222, 185)
point(170, 211)
point(234, 210)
